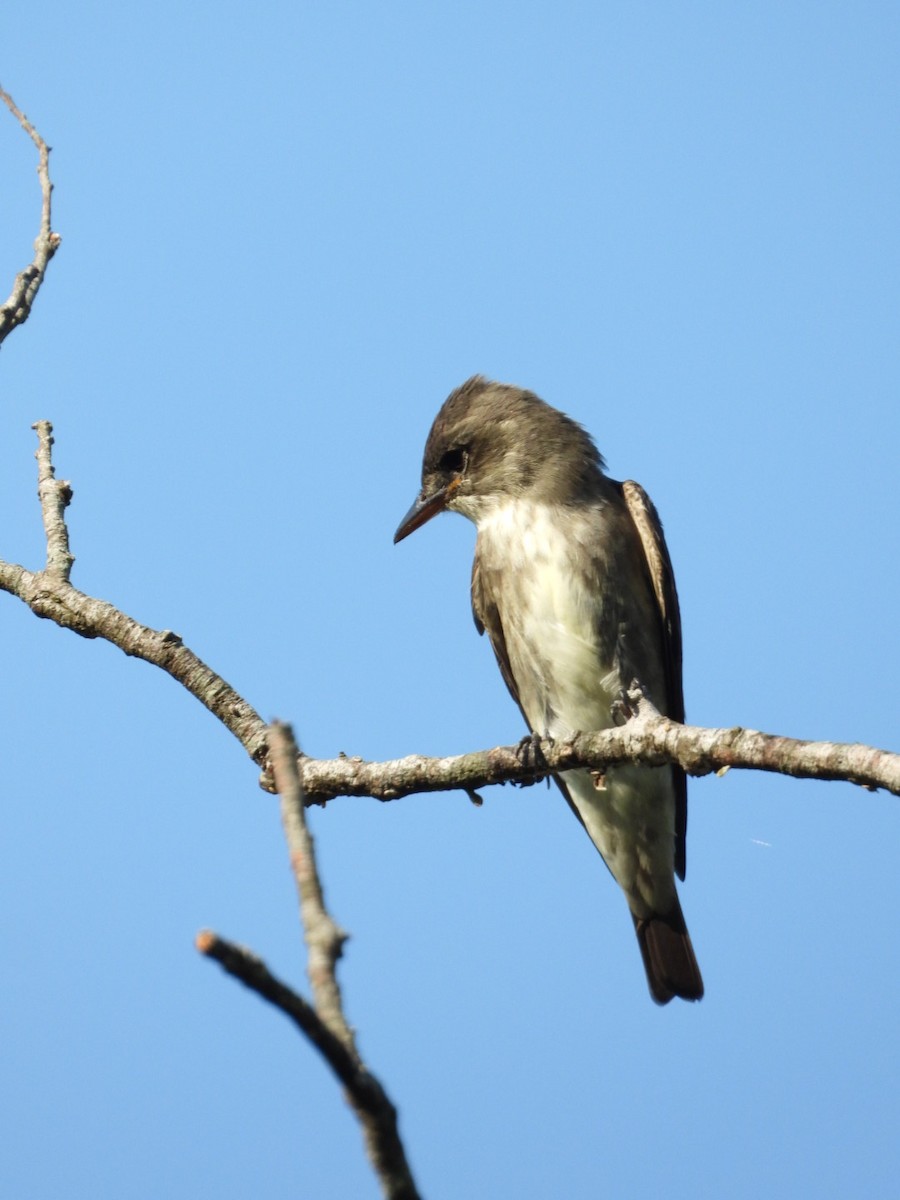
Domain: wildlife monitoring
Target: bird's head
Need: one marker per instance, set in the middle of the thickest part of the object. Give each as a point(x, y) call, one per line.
point(493, 442)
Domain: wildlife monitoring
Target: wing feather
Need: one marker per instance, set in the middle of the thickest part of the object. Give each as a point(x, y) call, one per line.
point(487, 620)
point(649, 527)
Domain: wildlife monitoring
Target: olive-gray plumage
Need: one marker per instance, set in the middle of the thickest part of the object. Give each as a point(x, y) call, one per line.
point(573, 584)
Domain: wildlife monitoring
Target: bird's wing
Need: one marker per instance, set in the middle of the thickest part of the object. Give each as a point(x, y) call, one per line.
point(487, 619)
point(649, 528)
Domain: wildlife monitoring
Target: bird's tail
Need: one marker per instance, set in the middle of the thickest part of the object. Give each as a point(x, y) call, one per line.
point(668, 955)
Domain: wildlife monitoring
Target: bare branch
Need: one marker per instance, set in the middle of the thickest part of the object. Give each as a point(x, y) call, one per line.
point(253, 972)
point(51, 597)
point(364, 1092)
point(17, 308)
point(55, 495)
point(325, 1026)
point(647, 738)
point(49, 594)
point(324, 939)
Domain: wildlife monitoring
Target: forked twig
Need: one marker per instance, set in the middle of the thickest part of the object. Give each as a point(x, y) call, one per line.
point(27, 283)
point(325, 1024)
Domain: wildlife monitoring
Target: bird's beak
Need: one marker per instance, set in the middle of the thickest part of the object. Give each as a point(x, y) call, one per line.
point(422, 510)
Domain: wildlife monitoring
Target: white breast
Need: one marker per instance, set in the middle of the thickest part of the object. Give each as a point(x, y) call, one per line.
point(551, 630)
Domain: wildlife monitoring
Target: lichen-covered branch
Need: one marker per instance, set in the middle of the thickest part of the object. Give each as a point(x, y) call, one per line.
point(27, 283)
point(53, 598)
point(48, 593)
point(646, 738)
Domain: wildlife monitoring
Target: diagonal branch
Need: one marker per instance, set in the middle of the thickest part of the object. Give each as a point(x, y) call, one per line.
point(69, 608)
point(49, 594)
point(242, 964)
point(325, 1025)
point(367, 1096)
point(27, 283)
point(324, 939)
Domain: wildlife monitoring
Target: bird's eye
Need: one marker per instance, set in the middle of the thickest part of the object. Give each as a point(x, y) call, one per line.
point(453, 462)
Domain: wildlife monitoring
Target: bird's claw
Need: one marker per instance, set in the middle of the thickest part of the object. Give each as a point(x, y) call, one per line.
point(531, 755)
point(625, 706)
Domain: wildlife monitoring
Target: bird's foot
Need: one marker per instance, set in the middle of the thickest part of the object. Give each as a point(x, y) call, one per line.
point(627, 703)
point(530, 754)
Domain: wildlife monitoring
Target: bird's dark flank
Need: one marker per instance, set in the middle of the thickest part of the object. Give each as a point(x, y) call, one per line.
point(573, 584)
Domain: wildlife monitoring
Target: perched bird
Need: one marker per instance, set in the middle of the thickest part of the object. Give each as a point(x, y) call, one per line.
point(573, 583)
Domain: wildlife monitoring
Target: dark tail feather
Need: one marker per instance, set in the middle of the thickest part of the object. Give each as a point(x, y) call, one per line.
point(668, 956)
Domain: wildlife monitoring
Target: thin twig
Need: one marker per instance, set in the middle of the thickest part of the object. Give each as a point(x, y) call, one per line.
point(326, 1025)
point(324, 939)
point(368, 1098)
point(55, 495)
point(27, 283)
point(252, 971)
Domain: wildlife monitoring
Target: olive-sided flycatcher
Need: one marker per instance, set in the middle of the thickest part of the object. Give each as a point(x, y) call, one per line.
point(573, 583)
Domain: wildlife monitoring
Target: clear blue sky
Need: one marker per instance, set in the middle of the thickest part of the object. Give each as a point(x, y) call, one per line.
point(288, 231)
